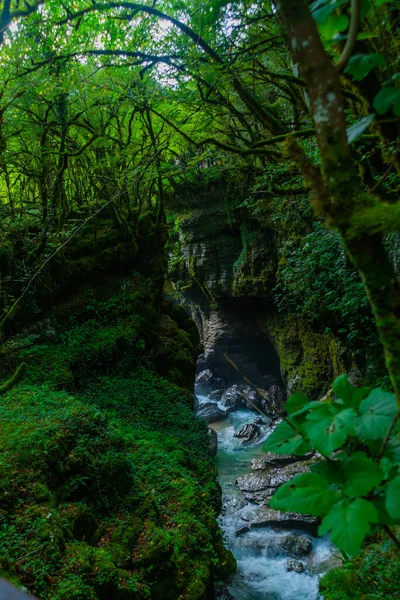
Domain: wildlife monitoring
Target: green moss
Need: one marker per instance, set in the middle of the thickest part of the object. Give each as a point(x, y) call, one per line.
point(373, 575)
point(309, 358)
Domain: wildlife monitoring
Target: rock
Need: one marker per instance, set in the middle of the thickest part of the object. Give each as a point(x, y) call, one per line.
point(242, 530)
point(224, 594)
point(212, 441)
point(293, 385)
point(232, 505)
point(216, 395)
point(258, 421)
point(260, 486)
point(267, 517)
point(296, 545)
point(277, 460)
point(203, 383)
point(295, 565)
point(210, 412)
point(202, 364)
point(272, 400)
point(233, 397)
point(248, 432)
point(250, 396)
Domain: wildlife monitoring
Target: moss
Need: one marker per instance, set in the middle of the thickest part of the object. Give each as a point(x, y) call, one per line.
point(372, 575)
point(310, 359)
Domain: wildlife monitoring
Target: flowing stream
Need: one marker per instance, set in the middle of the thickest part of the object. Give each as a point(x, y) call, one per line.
point(260, 553)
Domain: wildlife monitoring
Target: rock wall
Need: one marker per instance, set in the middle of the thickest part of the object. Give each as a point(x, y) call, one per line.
point(226, 275)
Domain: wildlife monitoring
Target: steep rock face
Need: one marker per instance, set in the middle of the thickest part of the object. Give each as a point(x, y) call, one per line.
point(227, 277)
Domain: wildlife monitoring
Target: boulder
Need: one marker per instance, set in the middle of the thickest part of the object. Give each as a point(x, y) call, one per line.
point(267, 517)
point(260, 486)
point(250, 396)
point(210, 412)
point(296, 545)
point(206, 382)
point(216, 395)
point(212, 441)
point(270, 460)
point(295, 565)
point(233, 397)
point(248, 432)
point(272, 400)
point(242, 530)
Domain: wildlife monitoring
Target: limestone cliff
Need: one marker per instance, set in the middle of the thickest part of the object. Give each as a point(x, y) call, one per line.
point(224, 263)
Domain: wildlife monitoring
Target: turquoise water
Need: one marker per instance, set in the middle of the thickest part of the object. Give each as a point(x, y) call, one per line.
point(262, 572)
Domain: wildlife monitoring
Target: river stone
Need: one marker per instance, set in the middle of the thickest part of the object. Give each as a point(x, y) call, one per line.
point(232, 505)
point(272, 400)
point(206, 382)
point(267, 517)
point(242, 531)
point(232, 397)
point(216, 395)
point(296, 545)
point(259, 487)
point(277, 460)
point(248, 432)
point(295, 565)
point(212, 441)
point(250, 396)
point(210, 412)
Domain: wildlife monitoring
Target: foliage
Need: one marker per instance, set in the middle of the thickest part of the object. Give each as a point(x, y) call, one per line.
point(375, 574)
point(315, 280)
point(355, 492)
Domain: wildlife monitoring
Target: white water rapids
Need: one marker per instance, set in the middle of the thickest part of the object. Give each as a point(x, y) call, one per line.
point(261, 560)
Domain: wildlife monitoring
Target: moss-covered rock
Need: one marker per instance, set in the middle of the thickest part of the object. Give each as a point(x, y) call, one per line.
point(309, 360)
point(373, 575)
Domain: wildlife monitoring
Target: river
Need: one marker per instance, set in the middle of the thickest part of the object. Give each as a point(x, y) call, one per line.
point(262, 558)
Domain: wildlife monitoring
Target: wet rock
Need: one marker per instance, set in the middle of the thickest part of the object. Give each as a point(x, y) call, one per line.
point(260, 486)
point(206, 382)
point(202, 364)
point(270, 460)
point(232, 505)
point(211, 412)
point(212, 441)
point(296, 545)
point(248, 432)
point(250, 397)
point(233, 397)
point(222, 593)
point(272, 400)
point(295, 565)
point(267, 517)
point(242, 531)
point(258, 421)
point(216, 395)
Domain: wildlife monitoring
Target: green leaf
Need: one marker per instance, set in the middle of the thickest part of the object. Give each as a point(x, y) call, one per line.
point(377, 413)
point(296, 402)
point(383, 516)
point(349, 523)
point(386, 98)
point(327, 429)
point(307, 493)
point(331, 470)
point(393, 498)
point(322, 13)
point(354, 132)
point(360, 65)
point(362, 475)
point(333, 25)
point(286, 440)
